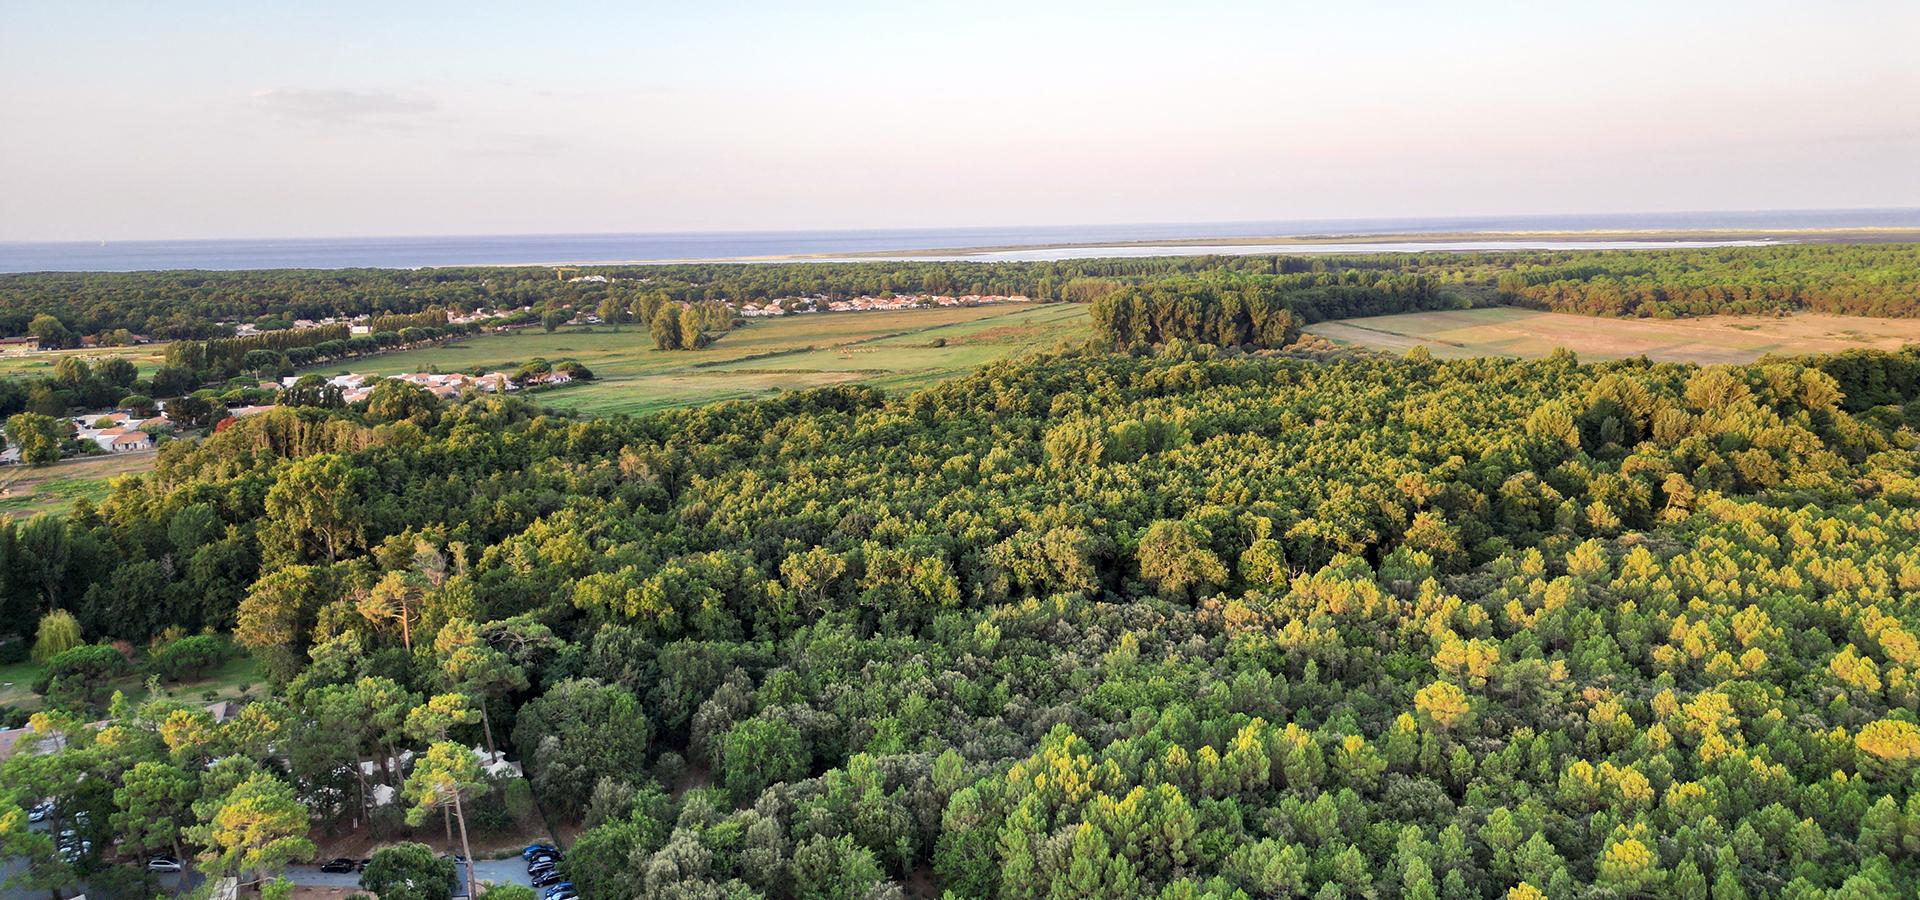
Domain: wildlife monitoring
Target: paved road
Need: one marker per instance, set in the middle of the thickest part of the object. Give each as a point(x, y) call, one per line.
point(498, 871)
point(168, 883)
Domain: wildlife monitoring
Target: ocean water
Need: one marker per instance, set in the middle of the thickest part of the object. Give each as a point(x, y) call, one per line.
point(1135, 251)
point(459, 250)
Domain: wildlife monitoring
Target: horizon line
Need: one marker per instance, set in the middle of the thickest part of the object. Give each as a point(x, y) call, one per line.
point(976, 227)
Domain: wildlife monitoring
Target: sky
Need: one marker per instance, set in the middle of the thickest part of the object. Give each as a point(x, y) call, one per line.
point(192, 119)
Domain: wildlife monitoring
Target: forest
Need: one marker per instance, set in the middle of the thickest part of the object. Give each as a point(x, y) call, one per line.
point(1173, 621)
point(1868, 279)
point(1254, 311)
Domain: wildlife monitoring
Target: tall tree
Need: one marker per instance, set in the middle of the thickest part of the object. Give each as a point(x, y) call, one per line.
point(446, 775)
point(37, 436)
point(314, 511)
point(256, 829)
point(485, 674)
point(394, 598)
point(154, 801)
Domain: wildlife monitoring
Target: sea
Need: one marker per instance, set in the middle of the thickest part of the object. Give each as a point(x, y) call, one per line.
point(1011, 243)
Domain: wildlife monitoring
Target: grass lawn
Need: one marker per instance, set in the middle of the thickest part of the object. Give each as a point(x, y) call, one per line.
point(1506, 331)
point(893, 350)
point(15, 363)
point(16, 683)
point(25, 491)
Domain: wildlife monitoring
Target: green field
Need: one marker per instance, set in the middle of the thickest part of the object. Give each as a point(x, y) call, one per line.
point(240, 675)
point(893, 350)
point(18, 363)
point(1507, 331)
point(25, 491)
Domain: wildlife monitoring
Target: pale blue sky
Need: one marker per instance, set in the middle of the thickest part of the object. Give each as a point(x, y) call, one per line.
point(247, 119)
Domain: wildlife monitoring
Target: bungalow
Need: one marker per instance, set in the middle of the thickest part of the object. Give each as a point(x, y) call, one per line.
point(121, 440)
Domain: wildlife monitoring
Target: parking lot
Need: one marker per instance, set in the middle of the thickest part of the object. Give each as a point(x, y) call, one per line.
point(496, 871)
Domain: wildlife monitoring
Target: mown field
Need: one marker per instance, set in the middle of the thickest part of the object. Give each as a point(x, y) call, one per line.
point(25, 491)
point(1506, 331)
point(18, 363)
point(894, 350)
point(238, 676)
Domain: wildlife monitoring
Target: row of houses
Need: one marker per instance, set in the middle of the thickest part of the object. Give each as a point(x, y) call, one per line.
point(363, 324)
point(355, 387)
point(867, 303)
point(119, 432)
point(355, 325)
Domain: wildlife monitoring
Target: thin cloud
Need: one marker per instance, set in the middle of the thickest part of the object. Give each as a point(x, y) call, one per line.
point(338, 107)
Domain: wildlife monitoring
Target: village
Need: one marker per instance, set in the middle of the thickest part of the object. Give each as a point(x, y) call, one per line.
point(363, 324)
point(867, 303)
point(125, 431)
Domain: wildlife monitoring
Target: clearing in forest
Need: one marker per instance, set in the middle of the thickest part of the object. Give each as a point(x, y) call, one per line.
point(26, 490)
point(892, 350)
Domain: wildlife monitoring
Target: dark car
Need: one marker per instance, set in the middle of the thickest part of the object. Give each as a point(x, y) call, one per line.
point(540, 865)
point(338, 866)
point(548, 878)
point(538, 855)
point(537, 848)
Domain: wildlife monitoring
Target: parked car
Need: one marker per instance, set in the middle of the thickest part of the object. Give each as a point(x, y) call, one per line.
point(40, 812)
point(536, 848)
point(362, 865)
point(549, 878)
point(538, 869)
point(564, 887)
point(545, 854)
point(163, 864)
point(341, 865)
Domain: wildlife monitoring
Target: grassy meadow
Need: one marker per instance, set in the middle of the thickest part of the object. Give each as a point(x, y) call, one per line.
point(25, 491)
point(1507, 331)
point(893, 350)
point(239, 675)
point(24, 363)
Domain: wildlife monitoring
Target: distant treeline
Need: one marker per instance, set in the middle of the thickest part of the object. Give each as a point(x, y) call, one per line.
point(1255, 311)
point(1856, 280)
point(231, 353)
point(193, 363)
point(1876, 279)
point(189, 304)
point(431, 317)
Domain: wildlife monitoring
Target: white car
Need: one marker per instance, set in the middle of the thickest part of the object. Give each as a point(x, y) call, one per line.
point(163, 864)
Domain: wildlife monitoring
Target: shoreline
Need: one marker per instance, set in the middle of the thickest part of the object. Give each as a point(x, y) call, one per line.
point(1328, 243)
point(1280, 243)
